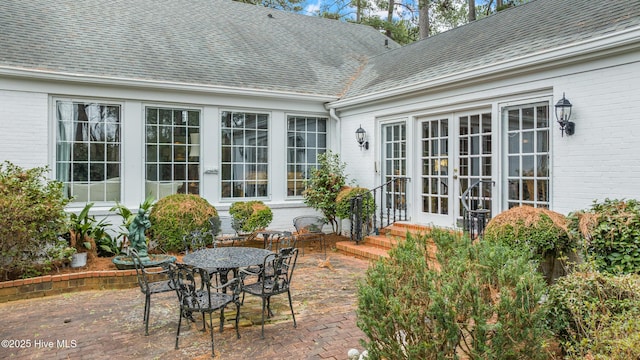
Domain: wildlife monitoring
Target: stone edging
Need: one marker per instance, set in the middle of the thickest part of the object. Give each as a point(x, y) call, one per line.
point(64, 283)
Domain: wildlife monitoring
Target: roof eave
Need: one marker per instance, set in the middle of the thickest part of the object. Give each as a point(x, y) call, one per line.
point(556, 56)
point(46, 75)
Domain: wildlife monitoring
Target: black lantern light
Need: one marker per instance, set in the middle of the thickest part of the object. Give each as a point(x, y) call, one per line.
point(361, 137)
point(563, 114)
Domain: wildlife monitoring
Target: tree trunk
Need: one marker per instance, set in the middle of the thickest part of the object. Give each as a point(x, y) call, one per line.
point(390, 16)
point(472, 10)
point(423, 18)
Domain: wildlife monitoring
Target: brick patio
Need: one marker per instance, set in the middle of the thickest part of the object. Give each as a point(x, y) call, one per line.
point(105, 324)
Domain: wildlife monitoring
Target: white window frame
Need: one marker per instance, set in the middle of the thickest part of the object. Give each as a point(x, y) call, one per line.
point(295, 177)
point(107, 190)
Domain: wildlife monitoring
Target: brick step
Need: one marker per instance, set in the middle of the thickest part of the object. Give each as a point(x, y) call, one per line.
point(400, 229)
point(361, 250)
point(376, 246)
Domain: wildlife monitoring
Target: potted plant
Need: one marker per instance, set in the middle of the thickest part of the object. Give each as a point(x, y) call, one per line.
point(84, 231)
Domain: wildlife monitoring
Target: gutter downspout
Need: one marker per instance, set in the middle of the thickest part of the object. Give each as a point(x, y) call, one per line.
point(334, 116)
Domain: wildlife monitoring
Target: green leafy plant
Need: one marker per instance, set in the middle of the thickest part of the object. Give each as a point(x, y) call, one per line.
point(539, 232)
point(343, 202)
point(86, 230)
point(478, 300)
point(250, 216)
point(323, 186)
point(31, 217)
point(176, 215)
point(115, 246)
point(597, 315)
point(610, 231)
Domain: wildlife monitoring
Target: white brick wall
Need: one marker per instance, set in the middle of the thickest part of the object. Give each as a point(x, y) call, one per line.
point(24, 135)
point(602, 159)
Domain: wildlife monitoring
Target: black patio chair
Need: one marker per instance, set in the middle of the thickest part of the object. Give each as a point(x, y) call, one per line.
point(274, 278)
point(197, 294)
point(197, 240)
point(228, 231)
point(194, 241)
point(150, 287)
point(309, 228)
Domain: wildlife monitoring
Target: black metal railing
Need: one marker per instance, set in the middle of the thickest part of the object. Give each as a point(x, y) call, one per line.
point(477, 210)
point(379, 208)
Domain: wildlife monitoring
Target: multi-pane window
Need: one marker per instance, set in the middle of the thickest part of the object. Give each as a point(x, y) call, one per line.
point(475, 158)
point(88, 150)
point(245, 150)
point(394, 137)
point(306, 138)
point(527, 155)
point(172, 151)
point(435, 166)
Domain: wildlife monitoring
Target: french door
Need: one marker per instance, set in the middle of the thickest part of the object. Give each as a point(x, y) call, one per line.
point(453, 153)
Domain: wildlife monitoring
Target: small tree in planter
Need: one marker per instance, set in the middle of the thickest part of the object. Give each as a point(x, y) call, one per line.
point(177, 215)
point(324, 185)
point(251, 216)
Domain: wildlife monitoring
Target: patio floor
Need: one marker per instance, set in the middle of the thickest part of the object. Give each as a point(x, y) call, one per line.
point(108, 324)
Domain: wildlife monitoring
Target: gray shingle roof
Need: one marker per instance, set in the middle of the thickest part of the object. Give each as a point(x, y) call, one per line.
point(203, 42)
point(524, 30)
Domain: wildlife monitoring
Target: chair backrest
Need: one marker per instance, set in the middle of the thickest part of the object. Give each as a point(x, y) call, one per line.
point(141, 275)
point(309, 224)
point(194, 241)
point(193, 283)
point(283, 263)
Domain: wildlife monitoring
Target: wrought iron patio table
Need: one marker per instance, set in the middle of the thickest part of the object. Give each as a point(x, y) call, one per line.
point(226, 257)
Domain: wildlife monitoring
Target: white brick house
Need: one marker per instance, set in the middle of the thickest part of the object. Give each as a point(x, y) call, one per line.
point(234, 102)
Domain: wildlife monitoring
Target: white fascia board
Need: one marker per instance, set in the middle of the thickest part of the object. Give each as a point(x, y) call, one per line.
point(559, 55)
point(158, 85)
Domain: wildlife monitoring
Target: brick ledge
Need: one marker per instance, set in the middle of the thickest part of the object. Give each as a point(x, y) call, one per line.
point(64, 283)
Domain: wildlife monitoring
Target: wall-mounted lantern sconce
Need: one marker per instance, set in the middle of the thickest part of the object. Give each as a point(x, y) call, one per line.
point(361, 137)
point(563, 114)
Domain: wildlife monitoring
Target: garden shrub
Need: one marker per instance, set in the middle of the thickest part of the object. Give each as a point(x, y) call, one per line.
point(343, 202)
point(31, 219)
point(250, 216)
point(540, 232)
point(176, 215)
point(597, 315)
point(610, 231)
point(479, 301)
point(323, 186)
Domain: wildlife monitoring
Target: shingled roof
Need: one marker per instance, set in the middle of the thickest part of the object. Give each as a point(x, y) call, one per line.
point(525, 30)
point(204, 42)
point(221, 43)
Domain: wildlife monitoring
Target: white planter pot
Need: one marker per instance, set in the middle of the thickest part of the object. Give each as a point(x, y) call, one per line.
point(79, 260)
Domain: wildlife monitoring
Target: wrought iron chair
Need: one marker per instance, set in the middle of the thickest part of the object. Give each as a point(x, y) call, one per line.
point(149, 287)
point(195, 241)
point(273, 279)
point(205, 298)
point(227, 230)
point(309, 228)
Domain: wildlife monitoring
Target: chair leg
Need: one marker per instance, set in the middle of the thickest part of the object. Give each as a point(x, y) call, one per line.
point(237, 319)
point(264, 304)
point(213, 354)
point(179, 324)
point(147, 310)
point(291, 306)
point(221, 319)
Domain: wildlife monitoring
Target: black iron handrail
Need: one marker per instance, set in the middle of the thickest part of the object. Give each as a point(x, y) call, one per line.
point(476, 215)
point(391, 207)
